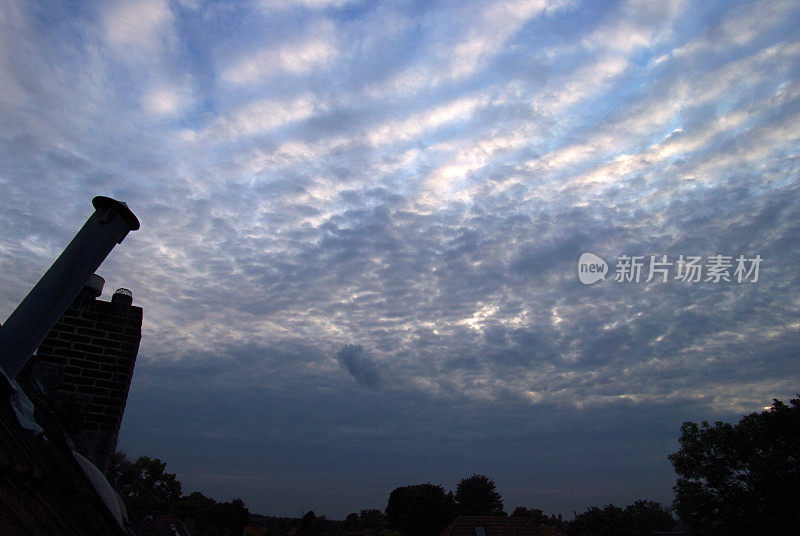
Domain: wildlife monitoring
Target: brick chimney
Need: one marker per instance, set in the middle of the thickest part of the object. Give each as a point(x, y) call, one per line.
point(85, 364)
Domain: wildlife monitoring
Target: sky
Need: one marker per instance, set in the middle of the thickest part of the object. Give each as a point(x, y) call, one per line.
point(362, 221)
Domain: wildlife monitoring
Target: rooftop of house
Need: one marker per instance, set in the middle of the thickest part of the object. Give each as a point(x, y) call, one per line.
point(494, 526)
point(45, 487)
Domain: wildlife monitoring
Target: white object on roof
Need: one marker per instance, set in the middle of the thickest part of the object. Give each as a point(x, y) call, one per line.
point(104, 489)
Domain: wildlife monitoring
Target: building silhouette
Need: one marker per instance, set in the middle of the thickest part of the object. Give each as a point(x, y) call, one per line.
point(60, 410)
point(85, 365)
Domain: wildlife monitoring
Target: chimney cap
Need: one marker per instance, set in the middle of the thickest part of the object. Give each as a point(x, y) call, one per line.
point(102, 202)
point(122, 296)
point(93, 287)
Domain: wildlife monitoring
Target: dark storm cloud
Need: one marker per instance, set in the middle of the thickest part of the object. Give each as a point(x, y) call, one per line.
point(353, 358)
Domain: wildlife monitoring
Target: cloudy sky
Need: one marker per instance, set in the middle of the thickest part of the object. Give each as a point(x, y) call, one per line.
point(361, 225)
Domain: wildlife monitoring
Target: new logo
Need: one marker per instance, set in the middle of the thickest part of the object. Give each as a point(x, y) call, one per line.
point(591, 268)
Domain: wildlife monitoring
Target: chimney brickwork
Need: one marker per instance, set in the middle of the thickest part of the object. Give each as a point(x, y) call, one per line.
point(91, 352)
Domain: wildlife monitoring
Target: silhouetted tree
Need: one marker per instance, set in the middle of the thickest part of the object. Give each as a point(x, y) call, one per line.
point(372, 519)
point(420, 510)
point(743, 478)
point(555, 520)
point(150, 489)
point(313, 525)
point(641, 518)
point(305, 527)
point(351, 522)
point(538, 517)
point(476, 496)
point(648, 516)
point(204, 516)
point(276, 526)
point(607, 521)
point(534, 514)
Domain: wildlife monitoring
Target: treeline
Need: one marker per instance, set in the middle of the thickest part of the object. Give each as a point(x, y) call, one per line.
point(426, 509)
point(413, 510)
point(641, 518)
point(733, 479)
point(150, 491)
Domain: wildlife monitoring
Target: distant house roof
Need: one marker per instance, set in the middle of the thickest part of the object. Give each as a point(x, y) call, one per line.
point(255, 531)
point(494, 526)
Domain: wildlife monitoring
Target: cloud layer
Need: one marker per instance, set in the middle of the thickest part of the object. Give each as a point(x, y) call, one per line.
point(361, 226)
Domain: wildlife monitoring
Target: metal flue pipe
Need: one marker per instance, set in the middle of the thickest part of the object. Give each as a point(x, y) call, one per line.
point(33, 319)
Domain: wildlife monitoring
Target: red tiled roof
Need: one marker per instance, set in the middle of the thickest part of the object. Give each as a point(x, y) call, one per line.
point(254, 531)
point(492, 526)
